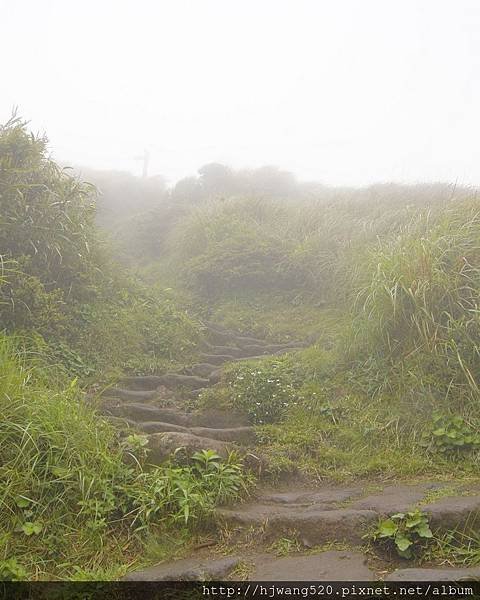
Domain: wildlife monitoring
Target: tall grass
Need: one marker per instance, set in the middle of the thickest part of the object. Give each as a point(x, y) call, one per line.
point(417, 299)
point(73, 495)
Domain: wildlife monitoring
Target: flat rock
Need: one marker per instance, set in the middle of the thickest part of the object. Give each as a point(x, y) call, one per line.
point(241, 435)
point(188, 569)
point(142, 382)
point(324, 496)
point(394, 498)
point(163, 445)
point(446, 574)
point(453, 512)
point(217, 359)
point(316, 527)
point(261, 349)
point(242, 340)
point(312, 525)
point(145, 412)
point(325, 566)
point(160, 427)
point(130, 394)
point(224, 350)
point(178, 380)
point(202, 369)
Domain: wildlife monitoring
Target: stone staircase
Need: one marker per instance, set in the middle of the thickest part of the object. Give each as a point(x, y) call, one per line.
point(140, 402)
point(328, 526)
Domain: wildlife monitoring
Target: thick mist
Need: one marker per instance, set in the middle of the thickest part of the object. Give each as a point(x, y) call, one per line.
point(347, 92)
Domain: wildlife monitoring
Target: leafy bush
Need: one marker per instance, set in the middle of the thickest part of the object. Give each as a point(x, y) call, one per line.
point(407, 531)
point(46, 214)
point(264, 390)
point(451, 433)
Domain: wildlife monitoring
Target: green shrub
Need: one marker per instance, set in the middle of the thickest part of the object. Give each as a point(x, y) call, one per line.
point(264, 389)
point(451, 433)
point(46, 214)
point(408, 532)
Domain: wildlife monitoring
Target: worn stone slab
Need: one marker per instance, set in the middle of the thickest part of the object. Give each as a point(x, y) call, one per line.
point(313, 525)
point(142, 382)
point(163, 445)
point(202, 369)
point(325, 566)
point(395, 498)
point(188, 569)
point(445, 574)
point(132, 395)
point(172, 380)
point(145, 412)
point(453, 512)
point(241, 435)
point(161, 427)
point(323, 496)
point(217, 359)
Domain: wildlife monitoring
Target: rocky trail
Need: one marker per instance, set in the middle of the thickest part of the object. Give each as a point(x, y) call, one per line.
point(318, 535)
point(145, 402)
point(290, 534)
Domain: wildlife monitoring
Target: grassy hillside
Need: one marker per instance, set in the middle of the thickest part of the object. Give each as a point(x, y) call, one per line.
point(77, 500)
point(388, 289)
point(383, 284)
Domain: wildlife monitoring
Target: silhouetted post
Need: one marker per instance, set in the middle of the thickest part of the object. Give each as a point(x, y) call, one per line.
point(146, 159)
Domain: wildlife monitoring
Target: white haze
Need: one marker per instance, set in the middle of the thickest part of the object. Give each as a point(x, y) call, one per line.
point(342, 91)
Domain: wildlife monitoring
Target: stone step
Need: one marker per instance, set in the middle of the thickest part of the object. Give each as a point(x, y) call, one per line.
point(202, 369)
point(160, 427)
point(123, 394)
point(218, 419)
point(163, 446)
point(242, 340)
point(264, 356)
point(255, 350)
point(319, 513)
point(224, 350)
point(240, 435)
point(142, 382)
point(172, 380)
point(217, 359)
point(188, 569)
point(331, 565)
point(313, 526)
point(435, 574)
point(215, 376)
point(145, 412)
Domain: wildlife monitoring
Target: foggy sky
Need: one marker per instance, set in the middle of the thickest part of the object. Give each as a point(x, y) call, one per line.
point(342, 91)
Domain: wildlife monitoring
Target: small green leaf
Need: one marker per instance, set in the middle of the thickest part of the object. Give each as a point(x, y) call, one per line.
point(387, 528)
point(30, 528)
point(22, 502)
point(424, 531)
point(413, 521)
point(402, 542)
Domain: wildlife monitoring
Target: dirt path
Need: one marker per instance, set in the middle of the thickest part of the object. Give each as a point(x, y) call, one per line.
point(289, 534)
